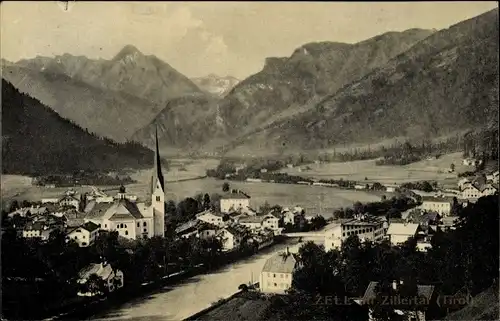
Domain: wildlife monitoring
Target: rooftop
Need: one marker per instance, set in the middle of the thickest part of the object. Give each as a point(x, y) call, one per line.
point(402, 229)
point(280, 263)
point(237, 196)
point(252, 219)
point(437, 199)
point(365, 219)
point(425, 291)
point(103, 271)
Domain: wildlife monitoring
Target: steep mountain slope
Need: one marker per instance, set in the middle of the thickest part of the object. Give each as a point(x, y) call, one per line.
point(35, 139)
point(281, 89)
point(114, 115)
point(186, 124)
point(113, 98)
point(215, 85)
point(447, 82)
point(314, 69)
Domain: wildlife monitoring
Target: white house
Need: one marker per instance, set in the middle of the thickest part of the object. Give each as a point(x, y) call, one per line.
point(37, 230)
point(359, 186)
point(441, 205)
point(231, 237)
point(133, 220)
point(84, 235)
point(488, 189)
point(211, 217)
point(471, 192)
point(50, 200)
point(277, 273)
point(113, 279)
point(69, 200)
point(198, 228)
point(366, 227)
point(333, 238)
point(270, 221)
point(252, 222)
point(234, 202)
point(400, 232)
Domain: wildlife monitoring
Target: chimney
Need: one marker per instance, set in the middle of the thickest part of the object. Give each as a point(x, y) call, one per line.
point(394, 285)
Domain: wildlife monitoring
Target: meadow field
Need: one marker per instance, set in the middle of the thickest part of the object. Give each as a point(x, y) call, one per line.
point(432, 170)
point(314, 199)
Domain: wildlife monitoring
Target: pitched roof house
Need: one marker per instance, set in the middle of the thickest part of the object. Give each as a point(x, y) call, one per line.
point(277, 272)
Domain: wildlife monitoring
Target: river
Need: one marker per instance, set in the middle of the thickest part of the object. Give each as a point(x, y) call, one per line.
point(177, 302)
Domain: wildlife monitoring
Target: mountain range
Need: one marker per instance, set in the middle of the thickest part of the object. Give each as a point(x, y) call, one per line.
point(36, 140)
point(412, 84)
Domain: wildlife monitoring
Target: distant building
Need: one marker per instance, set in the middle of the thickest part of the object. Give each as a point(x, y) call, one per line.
point(234, 202)
point(400, 232)
point(277, 273)
point(112, 278)
point(252, 222)
point(359, 186)
point(474, 191)
point(231, 237)
point(198, 228)
point(69, 200)
point(37, 230)
point(366, 227)
point(441, 205)
point(84, 235)
point(211, 217)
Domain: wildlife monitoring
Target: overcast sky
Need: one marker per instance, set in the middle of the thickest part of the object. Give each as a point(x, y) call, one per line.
point(225, 38)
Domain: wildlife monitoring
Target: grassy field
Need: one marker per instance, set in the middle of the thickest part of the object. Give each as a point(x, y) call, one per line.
point(435, 170)
point(314, 199)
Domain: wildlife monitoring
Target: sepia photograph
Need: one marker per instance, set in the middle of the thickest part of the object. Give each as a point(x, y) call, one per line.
point(249, 161)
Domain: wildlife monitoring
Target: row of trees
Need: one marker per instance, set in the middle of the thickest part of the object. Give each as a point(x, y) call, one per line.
point(460, 260)
point(421, 186)
point(32, 269)
point(391, 208)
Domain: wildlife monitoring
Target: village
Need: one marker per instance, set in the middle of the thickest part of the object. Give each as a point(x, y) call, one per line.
point(235, 224)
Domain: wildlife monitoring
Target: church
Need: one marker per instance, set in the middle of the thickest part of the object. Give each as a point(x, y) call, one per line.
point(131, 219)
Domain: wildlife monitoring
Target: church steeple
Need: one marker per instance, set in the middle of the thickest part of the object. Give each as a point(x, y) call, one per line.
point(157, 177)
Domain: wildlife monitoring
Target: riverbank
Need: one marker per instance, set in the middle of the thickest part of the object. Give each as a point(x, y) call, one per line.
point(180, 300)
point(128, 295)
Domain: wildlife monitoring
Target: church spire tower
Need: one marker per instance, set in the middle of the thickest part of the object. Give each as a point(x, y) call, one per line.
point(157, 180)
point(158, 192)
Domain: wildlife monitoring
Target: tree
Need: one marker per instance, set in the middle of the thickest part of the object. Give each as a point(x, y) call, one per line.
point(95, 285)
point(170, 208)
point(206, 202)
point(225, 187)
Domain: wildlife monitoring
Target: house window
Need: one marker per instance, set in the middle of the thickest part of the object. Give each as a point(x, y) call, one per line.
point(145, 230)
point(138, 224)
point(275, 284)
point(121, 225)
point(144, 224)
point(126, 232)
point(158, 198)
point(105, 225)
point(274, 275)
point(84, 243)
point(83, 237)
